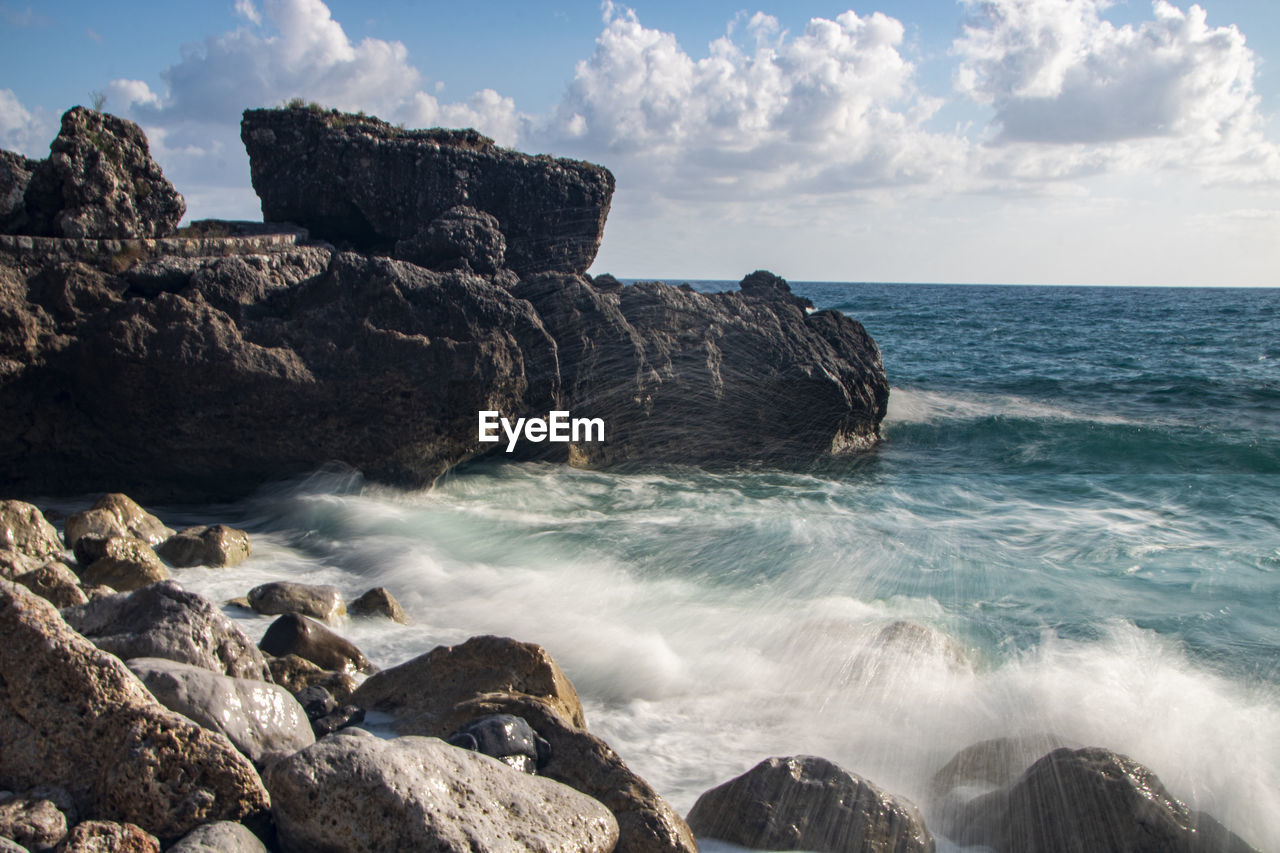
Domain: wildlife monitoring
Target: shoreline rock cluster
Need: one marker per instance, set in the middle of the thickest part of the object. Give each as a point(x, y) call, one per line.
point(447, 277)
point(142, 720)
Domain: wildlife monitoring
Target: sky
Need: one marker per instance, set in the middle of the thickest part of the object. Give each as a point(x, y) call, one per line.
point(989, 141)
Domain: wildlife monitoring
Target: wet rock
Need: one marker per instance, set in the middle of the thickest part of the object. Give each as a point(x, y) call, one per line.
point(221, 837)
point(74, 716)
point(319, 601)
point(100, 182)
point(104, 836)
point(992, 763)
point(256, 717)
point(165, 621)
point(120, 562)
point(808, 803)
point(116, 514)
point(316, 702)
point(1090, 799)
point(433, 683)
point(506, 737)
point(460, 238)
point(15, 174)
point(378, 602)
point(357, 794)
point(584, 762)
point(295, 674)
point(337, 720)
point(32, 820)
point(293, 634)
point(358, 180)
point(55, 583)
point(23, 529)
point(213, 545)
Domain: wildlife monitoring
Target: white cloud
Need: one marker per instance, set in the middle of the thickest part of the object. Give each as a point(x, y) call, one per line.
point(1171, 91)
point(22, 130)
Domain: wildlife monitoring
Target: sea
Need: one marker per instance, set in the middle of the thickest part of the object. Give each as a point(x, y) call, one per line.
point(1072, 528)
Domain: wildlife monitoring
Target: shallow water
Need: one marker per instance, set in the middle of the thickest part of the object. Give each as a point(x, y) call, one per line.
point(1077, 497)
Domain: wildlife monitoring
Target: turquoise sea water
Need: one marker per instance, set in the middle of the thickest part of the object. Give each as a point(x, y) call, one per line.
point(1077, 500)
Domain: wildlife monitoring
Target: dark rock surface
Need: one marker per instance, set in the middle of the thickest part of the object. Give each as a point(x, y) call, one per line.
point(294, 634)
point(379, 602)
point(15, 174)
point(361, 181)
point(319, 601)
point(808, 803)
point(99, 181)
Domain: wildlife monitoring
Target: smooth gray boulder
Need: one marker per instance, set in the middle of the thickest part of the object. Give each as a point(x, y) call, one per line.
point(214, 545)
point(165, 621)
point(368, 795)
point(808, 803)
point(256, 717)
point(319, 601)
point(221, 837)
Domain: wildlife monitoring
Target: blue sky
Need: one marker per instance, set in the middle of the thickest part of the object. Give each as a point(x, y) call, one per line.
point(1019, 141)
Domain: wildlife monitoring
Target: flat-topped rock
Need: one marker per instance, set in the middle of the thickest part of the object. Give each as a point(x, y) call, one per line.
point(362, 182)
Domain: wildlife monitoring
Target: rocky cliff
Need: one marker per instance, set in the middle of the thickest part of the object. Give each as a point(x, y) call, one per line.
point(206, 376)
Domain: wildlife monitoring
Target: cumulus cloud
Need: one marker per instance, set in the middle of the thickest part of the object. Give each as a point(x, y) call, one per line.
point(1169, 91)
point(23, 130)
point(831, 108)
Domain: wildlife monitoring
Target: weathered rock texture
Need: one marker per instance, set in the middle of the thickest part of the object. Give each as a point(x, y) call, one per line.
point(33, 820)
point(75, 717)
point(23, 529)
point(100, 181)
point(115, 514)
point(296, 635)
point(15, 174)
point(213, 545)
point(367, 183)
point(165, 621)
point(1090, 799)
point(120, 562)
point(367, 795)
point(105, 836)
point(221, 837)
point(319, 601)
point(55, 583)
point(808, 803)
point(379, 602)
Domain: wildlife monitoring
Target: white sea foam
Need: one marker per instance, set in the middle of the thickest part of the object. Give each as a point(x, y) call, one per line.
point(911, 405)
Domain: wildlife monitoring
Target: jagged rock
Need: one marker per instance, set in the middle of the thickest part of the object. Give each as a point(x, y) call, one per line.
point(33, 820)
point(55, 583)
point(293, 634)
point(460, 238)
point(99, 181)
point(364, 182)
point(23, 529)
point(378, 602)
point(431, 684)
point(15, 174)
point(579, 759)
point(606, 283)
point(165, 621)
point(808, 803)
point(295, 674)
point(319, 601)
point(211, 545)
point(115, 514)
point(104, 836)
point(120, 562)
point(1090, 799)
point(74, 716)
point(221, 837)
point(256, 717)
point(368, 795)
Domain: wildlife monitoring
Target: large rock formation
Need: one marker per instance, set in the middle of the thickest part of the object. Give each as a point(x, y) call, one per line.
point(15, 175)
point(361, 181)
point(99, 181)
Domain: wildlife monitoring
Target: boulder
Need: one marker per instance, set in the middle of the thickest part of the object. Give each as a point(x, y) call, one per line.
point(74, 716)
point(293, 634)
point(338, 719)
point(584, 762)
point(104, 836)
point(368, 795)
point(55, 583)
point(296, 674)
point(15, 174)
point(120, 562)
point(115, 514)
point(378, 602)
point(100, 182)
point(1090, 799)
point(316, 701)
point(32, 820)
point(992, 763)
point(14, 564)
point(460, 238)
point(318, 601)
point(360, 181)
point(165, 621)
point(221, 837)
point(213, 545)
point(23, 529)
point(9, 846)
point(808, 803)
point(506, 737)
point(256, 717)
point(431, 684)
